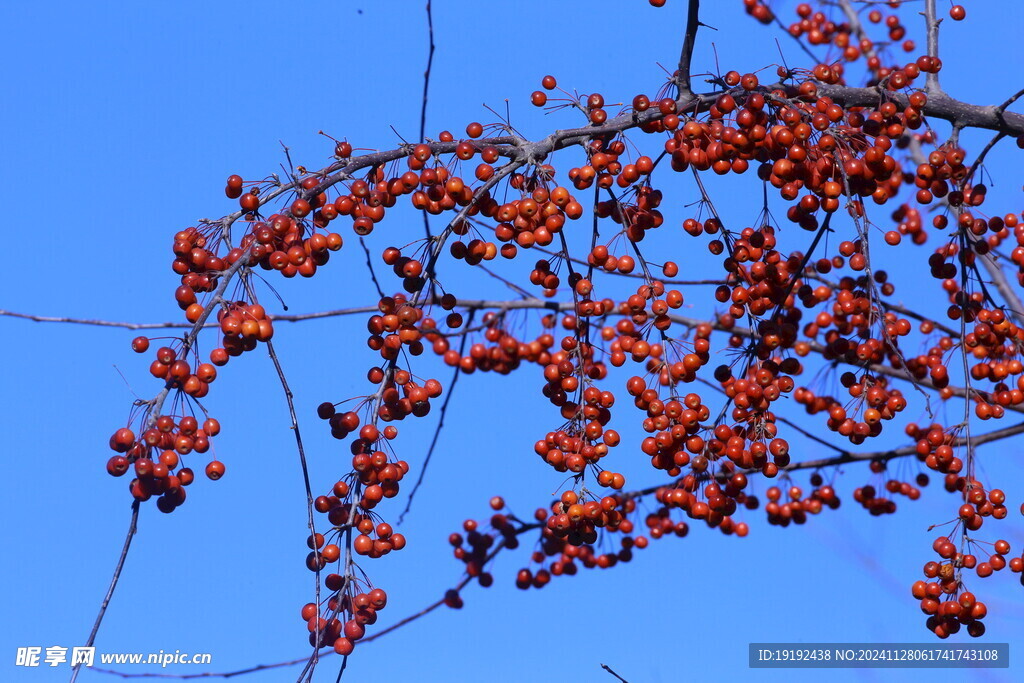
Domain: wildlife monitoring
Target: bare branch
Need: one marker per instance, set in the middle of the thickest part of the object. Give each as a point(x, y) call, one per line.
point(1011, 99)
point(1009, 293)
point(995, 435)
point(981, 159)
point(291, 318)
point(692, 24)
point(369, 266)
point(98, 323)
point(532, 303)
point(523, 154)
point(858, 28)
point(932, 27)
point(498, 547)
point(290, 399)
point(440, 425)
point(843, 458)
point(612, 672)
point(132, 526)
point(849, 457)
point(939, 106)
point(423, 107)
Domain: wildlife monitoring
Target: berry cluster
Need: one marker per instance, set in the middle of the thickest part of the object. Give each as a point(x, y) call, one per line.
point(777, 309)
point(156, 458)
point(351, 613)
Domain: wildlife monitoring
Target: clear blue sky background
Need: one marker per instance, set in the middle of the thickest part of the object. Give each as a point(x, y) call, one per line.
point(122, 121)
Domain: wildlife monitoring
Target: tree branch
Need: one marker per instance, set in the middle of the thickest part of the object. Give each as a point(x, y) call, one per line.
point(843, 458)
point(939, 106)
point(612, 672)
point(884, 455)
point(423, 107)
point(858, 28)
point(1013, 301)
point(533, 303)
point(99, 323)
point(132, 526)
point(1011, 99)
point(686, 55)
point(498, 547)
point(932, 27)
point(440, 425)
point(311, 522)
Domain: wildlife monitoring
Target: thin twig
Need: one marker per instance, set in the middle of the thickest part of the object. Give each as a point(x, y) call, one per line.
point(423, 107)
point(799, 42)
point(132, 527)
point(1011, 99)
point(686, 321)
point(498, 547)
point(807, 464)
point(609, 670)
point(1014, 305)
point(440, 423)
point(290, 399)
point(981, 157)
point(369, 266)
point(858, 28)
point(98, 323)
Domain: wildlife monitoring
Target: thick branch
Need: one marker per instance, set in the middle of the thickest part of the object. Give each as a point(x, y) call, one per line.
point(686, 55)
point(939, 106)
point(849, 456)
point(978, 440)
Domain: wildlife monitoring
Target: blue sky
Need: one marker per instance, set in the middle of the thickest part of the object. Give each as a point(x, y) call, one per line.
point(124, 119)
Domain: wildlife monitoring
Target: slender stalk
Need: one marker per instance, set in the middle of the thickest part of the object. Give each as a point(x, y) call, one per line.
point(932, 27)
point(132, 527)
